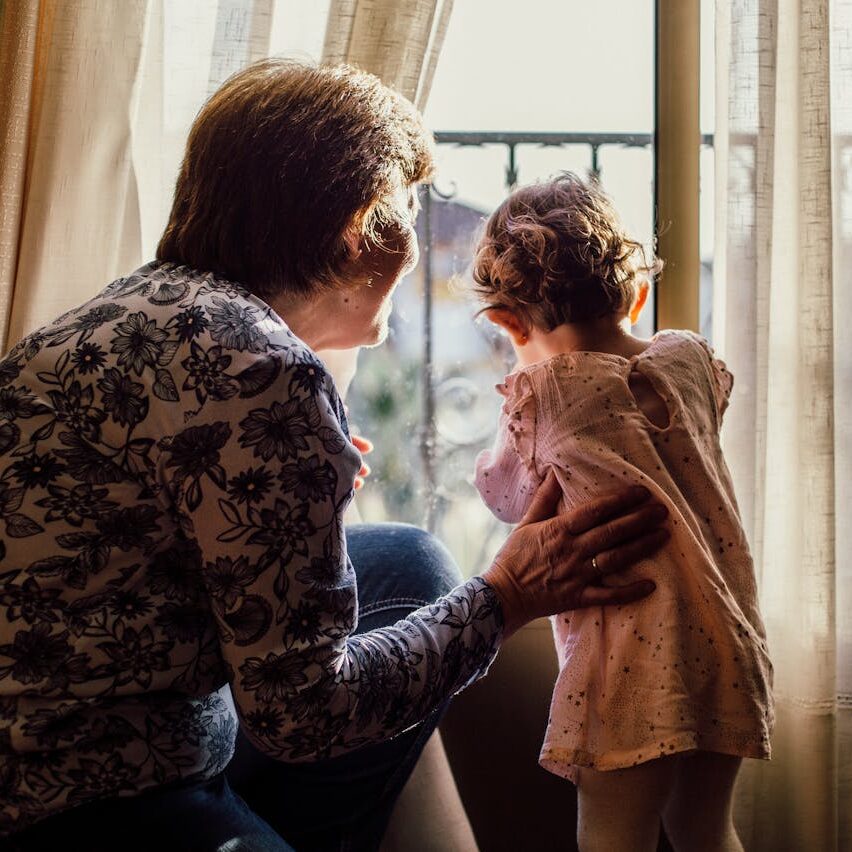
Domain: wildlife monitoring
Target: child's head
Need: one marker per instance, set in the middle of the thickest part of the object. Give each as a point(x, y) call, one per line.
point(556, 253)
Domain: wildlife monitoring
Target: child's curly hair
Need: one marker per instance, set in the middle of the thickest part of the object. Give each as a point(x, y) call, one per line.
point(556, 253)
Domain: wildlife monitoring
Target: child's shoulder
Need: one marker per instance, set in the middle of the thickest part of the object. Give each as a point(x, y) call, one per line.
point(677, 348)
point(684, 346)
point(681, 354)
point(688, 361)
point(679, 339)
point(557, 383)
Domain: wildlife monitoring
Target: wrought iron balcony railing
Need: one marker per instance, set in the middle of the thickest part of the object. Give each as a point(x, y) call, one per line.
point(595, 141)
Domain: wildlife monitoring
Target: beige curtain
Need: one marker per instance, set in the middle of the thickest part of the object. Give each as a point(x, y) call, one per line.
point(18, 27)
point(96, 98)
point(66, 176)
point(783, 289)
point(71, 206)
point(398, 40)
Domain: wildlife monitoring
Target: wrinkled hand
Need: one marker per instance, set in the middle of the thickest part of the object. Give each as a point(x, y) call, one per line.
point(364, 446)
point(546, 567)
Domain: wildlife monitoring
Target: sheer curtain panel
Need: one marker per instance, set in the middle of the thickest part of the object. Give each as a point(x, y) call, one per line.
point(18, 27)
point(68, 190)
point(398, 41)
point(783, 302)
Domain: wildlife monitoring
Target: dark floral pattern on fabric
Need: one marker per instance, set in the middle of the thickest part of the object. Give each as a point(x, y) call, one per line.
point(74, 407)
point(139, 343)
point(309, 479)
point(280, 431)
point(250, 486)
point(123, 398)
point(174, 466)
point(190, 323)
point(89, 358)
point(28, 601)
point(235, 326)
point(74, 505)
point(206, 373)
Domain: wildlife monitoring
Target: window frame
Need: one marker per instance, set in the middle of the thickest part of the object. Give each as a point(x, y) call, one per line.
point(677, 149)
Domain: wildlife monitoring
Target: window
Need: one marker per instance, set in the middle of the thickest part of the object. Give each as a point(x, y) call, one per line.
point(520, 93)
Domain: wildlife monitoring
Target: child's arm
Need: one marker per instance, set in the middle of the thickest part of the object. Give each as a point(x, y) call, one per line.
point(506, 475)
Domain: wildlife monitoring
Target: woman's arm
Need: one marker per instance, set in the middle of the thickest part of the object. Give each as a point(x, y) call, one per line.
point(276, 477)
point(267, 517)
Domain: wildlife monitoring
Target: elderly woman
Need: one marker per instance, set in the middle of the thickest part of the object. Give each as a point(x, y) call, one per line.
point(175, 467)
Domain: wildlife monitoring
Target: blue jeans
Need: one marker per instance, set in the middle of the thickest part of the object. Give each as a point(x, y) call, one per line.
point(262, 805)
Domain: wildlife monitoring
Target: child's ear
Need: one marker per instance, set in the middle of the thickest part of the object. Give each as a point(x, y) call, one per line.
point(507, 320)
point(639, 302)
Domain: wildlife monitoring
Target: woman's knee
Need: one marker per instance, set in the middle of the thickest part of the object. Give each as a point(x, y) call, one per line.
point(400, 560)
point(435, 569)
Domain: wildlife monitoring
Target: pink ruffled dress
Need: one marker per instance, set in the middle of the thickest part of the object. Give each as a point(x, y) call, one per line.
point(686, 668)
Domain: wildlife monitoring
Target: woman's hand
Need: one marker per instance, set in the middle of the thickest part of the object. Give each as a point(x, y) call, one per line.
point(364, 446)
point(551, 563)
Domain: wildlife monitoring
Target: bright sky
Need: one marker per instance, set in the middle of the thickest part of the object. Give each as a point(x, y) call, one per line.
point(546, 65)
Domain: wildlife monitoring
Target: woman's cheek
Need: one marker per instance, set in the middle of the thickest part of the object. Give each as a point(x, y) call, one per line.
point(414, 253)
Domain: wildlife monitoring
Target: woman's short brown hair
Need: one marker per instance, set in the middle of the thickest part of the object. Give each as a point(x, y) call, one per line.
point(280, 162)
point(555, 252)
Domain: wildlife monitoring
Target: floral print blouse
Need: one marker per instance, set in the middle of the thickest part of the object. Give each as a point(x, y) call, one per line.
point(174, 466)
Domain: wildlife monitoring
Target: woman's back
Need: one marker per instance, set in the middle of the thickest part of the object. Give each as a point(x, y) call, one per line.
point(116, 420)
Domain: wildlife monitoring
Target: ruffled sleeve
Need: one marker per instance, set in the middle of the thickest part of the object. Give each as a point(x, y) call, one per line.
point(723, 382)
point(519, 415)
point(721, 379)
point(507, 475)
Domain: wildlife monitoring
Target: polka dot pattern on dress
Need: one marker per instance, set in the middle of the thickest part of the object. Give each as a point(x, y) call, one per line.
point(687, 667)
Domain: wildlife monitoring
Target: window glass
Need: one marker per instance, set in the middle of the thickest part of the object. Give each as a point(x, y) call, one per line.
point(427, 396)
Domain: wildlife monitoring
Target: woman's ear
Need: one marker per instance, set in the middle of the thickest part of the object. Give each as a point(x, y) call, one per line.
point(639, 302)
point(353, 241)
point(511, 323)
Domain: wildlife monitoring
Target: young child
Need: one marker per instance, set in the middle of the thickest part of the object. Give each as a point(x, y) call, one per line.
point(657, 702)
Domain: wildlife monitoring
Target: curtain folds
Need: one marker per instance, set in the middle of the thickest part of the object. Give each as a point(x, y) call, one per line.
point(18, 28)
point(96, 99)
point(242, 36)
point(783, 283)
point(397, 41)
point(77, 223)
